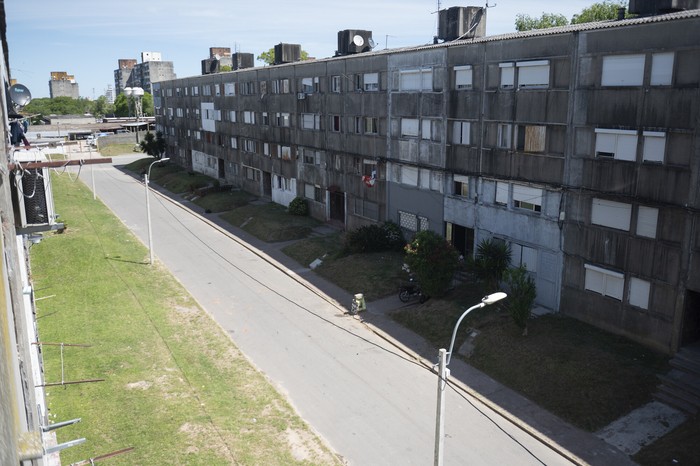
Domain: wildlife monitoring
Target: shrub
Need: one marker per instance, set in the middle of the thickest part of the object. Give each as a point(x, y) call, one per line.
point(433, 260)
point(491, 260)
point(521, 295)
point(299, 206)
point(374, 238)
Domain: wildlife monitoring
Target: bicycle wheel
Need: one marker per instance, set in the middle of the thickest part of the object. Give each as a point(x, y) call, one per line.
point(404, 295)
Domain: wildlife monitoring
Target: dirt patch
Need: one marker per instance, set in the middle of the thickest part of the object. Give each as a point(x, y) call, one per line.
point(306, 448)
point(140, 385)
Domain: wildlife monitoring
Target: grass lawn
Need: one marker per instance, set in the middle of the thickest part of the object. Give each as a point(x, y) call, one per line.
point(176, 388)
point(116, 149)
point(271, 222)
point(576, 371)
point(170, 176)
point(222, 201)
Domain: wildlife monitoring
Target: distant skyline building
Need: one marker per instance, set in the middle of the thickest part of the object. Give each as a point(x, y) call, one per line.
point(63, 84)
point(151, 69)
point(109, 93)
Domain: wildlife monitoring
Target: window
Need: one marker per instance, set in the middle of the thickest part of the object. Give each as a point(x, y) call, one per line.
point(247, 88)
point(309, 85)
point(312, 192)
point(371, 125)
point(461, 186)
point(234, 142)
point(662, 69)
point(358, 125)
point(280, 86)
point(617, 144)
point(408, 221)
point(232, 116)
point(639, 293)
point(507, 75)
point(371, 82)
point(217, 89)
point(611, 214)
point(248, 117)
point(198, 135)
point(623, 70)
point(504, 136)
point(266, 148)
point(460, 132)
point(416, 80)
point(229, 89)
point(335, 84)
point(533, 74)
point(335, 123)
point(285, 152)
point(429, 129)
point(263, 87)
point(605, 282)
point(647, 218)
point(525, 197)
point(463, 77)
point(250, 146)
point(310, 121)
point(250, 173)
point(195, 90)
point(409, 127)
point(310, 157)
point(531, 138)
point(282, 119)
point(523, 255)
point(654, 146)
point(366, 209)
point(502, 190)
point(409, 175)
point(265, 118)
point(206, 89)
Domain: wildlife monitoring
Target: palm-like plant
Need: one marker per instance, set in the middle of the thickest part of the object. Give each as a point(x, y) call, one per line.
point(491, 260)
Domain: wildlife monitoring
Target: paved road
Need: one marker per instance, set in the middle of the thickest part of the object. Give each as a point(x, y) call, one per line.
point(370, 404)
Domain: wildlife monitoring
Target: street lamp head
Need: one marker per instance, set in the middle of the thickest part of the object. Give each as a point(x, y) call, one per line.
point(128, 91)
point(494, 297)
point(137, 91)
point(165, 159)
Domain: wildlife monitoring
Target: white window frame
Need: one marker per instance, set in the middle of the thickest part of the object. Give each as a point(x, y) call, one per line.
point(463, 77)
point(533, 74)
point(639, 292)
point(461, 132)
point(523, 255)
point(654, 148)
point(416, 80)
point(229, 89)
point(505, 136)
point(527, 198)
point(410, 127)
point(234, 142)
point(622, 144)
point(662, 69)
point(461, 182)
point(611, 214)
point(248, 117)
point(647, 221)
point(370, 82)
point(604, 282)
point(507, 75)
point(336, 83)
point(310, 121)
point(623, 70)
point(502, 190)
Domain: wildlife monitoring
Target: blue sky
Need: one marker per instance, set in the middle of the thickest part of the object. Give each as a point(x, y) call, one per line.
point(86, 38)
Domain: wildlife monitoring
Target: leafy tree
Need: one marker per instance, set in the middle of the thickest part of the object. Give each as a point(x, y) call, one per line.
point(58, 106)
point(547, 20)
point(121, 106)
point(269, 56)
point(521, 295)
point(433, 260)
point(492, 258)
point(153, 145)
point(101, 107)
point(599, 12)
point(147, 104)
point(224, 68)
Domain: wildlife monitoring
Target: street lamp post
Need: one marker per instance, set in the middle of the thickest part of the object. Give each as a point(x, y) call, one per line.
point(148, 208)
point(444, 358)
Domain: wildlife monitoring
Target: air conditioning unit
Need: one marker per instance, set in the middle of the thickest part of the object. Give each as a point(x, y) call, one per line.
point(32, 195)
point(301, 96)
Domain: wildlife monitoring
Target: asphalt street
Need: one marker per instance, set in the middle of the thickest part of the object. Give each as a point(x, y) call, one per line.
point(372, 404)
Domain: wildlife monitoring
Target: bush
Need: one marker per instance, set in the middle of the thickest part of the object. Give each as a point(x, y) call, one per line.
point(521, 295)
point(299, 206)
point(433, 260)
point(491, 260)
point(374, 238)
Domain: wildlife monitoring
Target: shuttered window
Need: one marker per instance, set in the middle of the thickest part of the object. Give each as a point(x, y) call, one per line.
point(507, 75)
point(639, 293)
point(605, 282)
point(463, 77)
point(654, 146)
point(501, 193)
point(617, 144)
point(662, 69)
point(525, 197)
point(533, 74)
point(623, 70)
point(409, 127)
point(647, 218)
point(611, 214)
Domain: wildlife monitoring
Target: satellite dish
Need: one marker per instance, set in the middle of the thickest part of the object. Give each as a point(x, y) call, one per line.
point(20, 95)
point(358, 40)
point(371, 42)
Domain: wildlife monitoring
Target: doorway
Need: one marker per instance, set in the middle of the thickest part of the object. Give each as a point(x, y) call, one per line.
point(337, 206)
point(462, 238)
point(690, 332)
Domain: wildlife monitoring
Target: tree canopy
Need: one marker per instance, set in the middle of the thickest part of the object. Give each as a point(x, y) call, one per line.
point(601, 11)
point(269, 56)
point(58, 106)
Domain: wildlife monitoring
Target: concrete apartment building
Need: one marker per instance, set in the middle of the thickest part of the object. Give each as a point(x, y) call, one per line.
point(63, 84)
point(151, 69)
point(578, 146)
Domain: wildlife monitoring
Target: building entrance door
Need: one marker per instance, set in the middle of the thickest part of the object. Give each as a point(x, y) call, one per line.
point(337, 206)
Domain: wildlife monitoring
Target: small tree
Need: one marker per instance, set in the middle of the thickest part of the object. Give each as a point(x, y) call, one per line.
point(525, 22)
point(521, 295)
point(268, 57)
point(602, 11)
point(433, 260)
point(153, 145)
point(491, 260)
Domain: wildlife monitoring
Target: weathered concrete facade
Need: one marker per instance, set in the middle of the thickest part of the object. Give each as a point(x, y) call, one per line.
point(578, 146)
